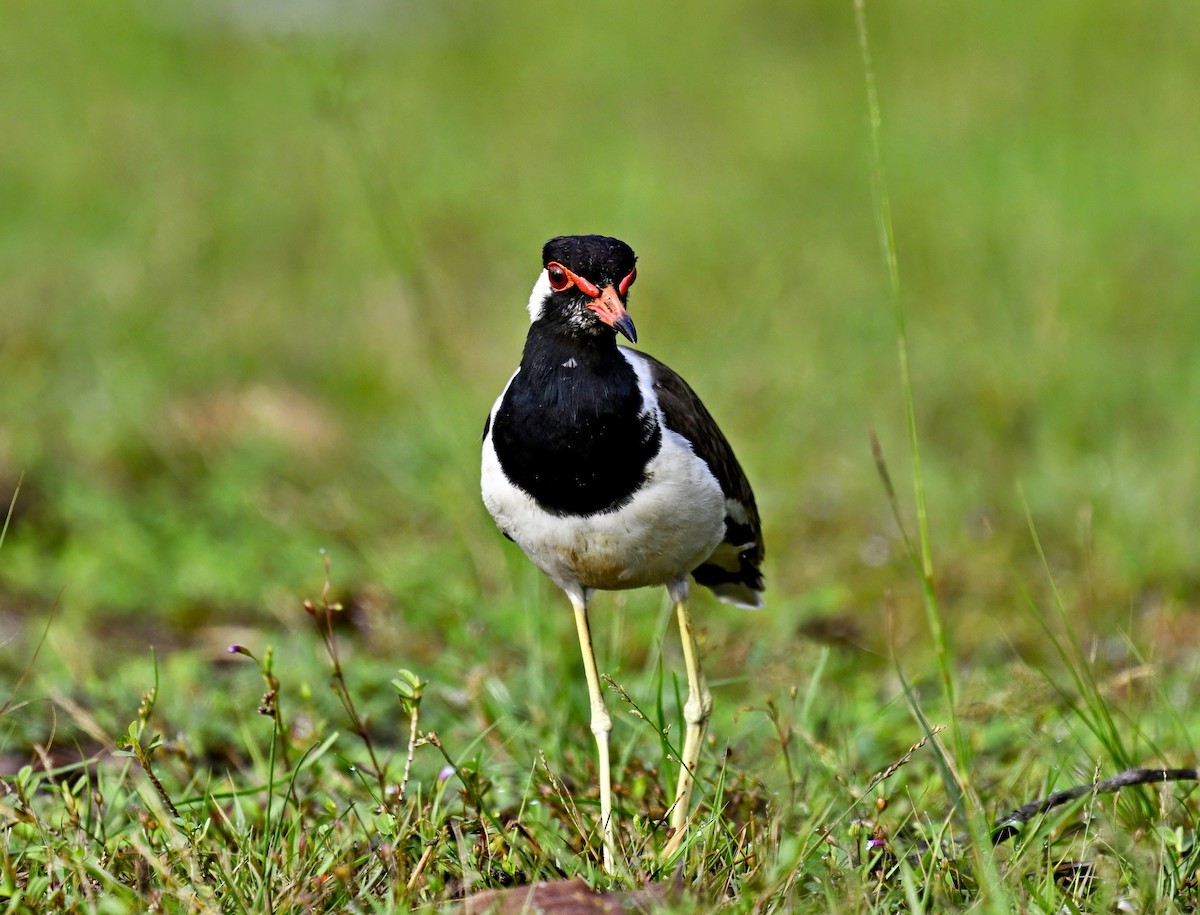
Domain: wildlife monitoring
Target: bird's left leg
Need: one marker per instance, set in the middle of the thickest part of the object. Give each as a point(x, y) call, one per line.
point(696, 710)
point(601, 723)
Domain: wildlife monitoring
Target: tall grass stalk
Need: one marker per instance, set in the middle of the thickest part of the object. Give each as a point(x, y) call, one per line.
point(956, 777)
point(887, 241)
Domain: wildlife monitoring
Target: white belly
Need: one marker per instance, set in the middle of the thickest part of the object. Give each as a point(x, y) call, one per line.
point(670, 526)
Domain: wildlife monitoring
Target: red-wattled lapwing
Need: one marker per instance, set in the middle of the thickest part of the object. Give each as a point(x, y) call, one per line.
point(608, 472)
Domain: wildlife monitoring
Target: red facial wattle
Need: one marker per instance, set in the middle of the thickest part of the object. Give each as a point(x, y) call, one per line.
point(606, 303)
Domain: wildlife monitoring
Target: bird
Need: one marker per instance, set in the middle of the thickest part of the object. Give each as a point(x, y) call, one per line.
point(605, 468)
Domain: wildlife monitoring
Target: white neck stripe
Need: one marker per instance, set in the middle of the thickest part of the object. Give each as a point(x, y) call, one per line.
point(537, 298)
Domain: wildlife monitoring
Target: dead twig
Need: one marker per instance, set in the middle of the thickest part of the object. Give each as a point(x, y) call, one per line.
point(1009, 825)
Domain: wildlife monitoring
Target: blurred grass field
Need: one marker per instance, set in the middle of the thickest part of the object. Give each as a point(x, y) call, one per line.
point(263, 269)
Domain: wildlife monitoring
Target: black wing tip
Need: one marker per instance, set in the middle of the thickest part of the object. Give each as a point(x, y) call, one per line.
point(743, 587)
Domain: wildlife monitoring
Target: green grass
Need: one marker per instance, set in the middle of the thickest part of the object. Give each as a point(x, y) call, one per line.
point(260, 287)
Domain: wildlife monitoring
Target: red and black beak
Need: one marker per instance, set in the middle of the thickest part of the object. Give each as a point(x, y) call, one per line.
point(610, 309)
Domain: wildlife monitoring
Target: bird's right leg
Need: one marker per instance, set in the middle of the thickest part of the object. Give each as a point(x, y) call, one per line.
point(601, 723)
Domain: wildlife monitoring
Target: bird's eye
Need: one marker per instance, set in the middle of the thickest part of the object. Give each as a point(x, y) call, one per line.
point(627, 282)
point(558, 276)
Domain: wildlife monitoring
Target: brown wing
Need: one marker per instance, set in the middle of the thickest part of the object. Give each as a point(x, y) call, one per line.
point(734, 571)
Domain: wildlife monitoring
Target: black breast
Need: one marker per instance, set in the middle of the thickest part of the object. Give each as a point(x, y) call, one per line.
point(571, 430)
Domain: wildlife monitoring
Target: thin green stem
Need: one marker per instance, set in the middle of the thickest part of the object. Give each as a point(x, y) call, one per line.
point(887, 241)
point(12, 505)
point(955, 776)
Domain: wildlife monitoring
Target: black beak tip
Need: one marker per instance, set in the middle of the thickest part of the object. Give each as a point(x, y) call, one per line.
point(626, 329)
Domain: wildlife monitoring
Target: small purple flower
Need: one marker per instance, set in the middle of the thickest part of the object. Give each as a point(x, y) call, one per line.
point(445, 773)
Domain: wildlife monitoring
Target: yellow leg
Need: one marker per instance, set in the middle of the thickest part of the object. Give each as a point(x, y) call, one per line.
point(696, 712)
point(601, 724)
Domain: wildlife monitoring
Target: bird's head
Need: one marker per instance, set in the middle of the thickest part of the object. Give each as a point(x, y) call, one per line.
point(583, 285)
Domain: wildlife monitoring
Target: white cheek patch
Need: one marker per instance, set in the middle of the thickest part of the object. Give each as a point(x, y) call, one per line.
point(537, 298)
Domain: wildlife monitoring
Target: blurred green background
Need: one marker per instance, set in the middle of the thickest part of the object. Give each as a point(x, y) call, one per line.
point(263, 269)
